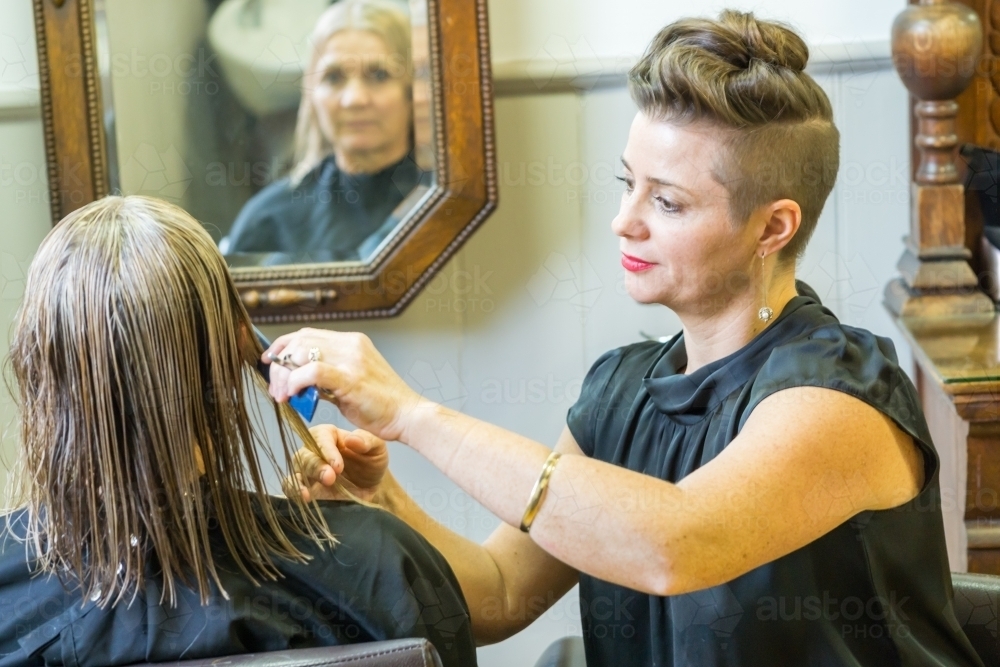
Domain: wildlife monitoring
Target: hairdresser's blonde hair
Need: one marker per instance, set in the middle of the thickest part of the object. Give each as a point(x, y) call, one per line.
point(384, 18)
point(746, 76)
point(131, 348)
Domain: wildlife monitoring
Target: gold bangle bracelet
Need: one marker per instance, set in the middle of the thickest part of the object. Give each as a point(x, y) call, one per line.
point(538, 493)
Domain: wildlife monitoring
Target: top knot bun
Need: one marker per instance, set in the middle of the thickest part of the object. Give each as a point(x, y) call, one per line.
point(752, 39)
point(736, 70)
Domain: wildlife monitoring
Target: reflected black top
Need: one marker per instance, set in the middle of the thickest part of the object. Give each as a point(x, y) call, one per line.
point(875, 591)
point(329, 217)
point(383, 581)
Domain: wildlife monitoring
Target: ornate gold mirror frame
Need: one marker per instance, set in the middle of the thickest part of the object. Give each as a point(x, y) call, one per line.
point(462, 197)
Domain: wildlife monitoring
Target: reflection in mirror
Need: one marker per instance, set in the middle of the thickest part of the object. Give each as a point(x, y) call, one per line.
point(297, 131)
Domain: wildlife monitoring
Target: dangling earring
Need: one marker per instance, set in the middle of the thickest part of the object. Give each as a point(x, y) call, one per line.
point(765, 313)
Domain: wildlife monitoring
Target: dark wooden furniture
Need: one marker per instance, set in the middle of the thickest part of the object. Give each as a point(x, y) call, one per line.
point(951, 70)
point(464, 194)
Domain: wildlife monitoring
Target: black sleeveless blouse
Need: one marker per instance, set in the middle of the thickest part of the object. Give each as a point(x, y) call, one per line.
point(875, 591)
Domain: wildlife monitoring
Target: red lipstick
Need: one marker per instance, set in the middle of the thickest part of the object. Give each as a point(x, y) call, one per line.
point(634, 264)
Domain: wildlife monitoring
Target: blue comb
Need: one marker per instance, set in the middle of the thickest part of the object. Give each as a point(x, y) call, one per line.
point(305, 401)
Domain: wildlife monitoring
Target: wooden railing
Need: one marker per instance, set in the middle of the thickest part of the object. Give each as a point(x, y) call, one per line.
point(950, 323)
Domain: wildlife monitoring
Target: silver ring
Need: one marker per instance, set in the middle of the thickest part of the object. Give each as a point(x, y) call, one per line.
point(286, 358)
point(313, 354)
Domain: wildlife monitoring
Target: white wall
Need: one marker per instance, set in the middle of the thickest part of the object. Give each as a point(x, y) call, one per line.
point(24, 208)
point(508, 330)
point(525, 29)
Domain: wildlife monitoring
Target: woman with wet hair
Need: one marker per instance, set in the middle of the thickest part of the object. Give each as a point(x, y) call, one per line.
point(145, 531)
point(762, 488)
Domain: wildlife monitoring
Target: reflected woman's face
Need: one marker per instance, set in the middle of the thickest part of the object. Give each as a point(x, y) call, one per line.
point(362, 101)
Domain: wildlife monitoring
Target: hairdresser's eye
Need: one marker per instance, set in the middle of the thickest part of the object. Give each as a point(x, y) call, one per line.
point(666, 206)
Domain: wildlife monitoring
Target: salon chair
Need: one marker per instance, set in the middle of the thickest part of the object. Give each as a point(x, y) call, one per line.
point(977, 607)
point(393, 653)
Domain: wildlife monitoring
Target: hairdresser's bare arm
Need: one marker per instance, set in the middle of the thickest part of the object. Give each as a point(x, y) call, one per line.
point(623, 526)
point(508, 581)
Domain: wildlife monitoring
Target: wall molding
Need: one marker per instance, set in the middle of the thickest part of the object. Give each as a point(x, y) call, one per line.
point(549, 75)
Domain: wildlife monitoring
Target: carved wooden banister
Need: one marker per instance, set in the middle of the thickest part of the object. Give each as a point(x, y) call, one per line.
point(952, 327)
point(935, 47)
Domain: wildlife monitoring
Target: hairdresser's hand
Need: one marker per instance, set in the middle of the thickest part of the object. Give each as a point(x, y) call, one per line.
point(355, 377)
point(357, 458)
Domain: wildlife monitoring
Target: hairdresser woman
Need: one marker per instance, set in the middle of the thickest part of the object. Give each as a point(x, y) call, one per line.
point(759, 490)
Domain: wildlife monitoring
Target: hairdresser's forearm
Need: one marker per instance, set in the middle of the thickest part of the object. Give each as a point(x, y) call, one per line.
point(583, 521)
point(495, 466)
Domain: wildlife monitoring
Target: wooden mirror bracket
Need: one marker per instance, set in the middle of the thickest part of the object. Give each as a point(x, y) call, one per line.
point(935, 47)
point(463, 196)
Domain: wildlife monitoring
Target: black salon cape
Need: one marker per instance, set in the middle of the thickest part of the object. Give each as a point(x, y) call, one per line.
point(329, 216)
point(874, 592)
point(383, 581)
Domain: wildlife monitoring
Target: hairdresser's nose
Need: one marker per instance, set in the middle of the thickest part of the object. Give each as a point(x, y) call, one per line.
point(629, 223)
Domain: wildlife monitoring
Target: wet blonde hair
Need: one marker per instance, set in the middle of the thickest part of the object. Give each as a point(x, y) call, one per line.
point(131, 349)
point(746, 77)
point(384, 18)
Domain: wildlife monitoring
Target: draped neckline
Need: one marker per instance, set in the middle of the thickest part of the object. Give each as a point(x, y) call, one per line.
point(688, 399)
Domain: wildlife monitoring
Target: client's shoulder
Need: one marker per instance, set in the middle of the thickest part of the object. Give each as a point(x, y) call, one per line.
point(275, 197)
point(366, 531)
point(13, 532)
point(18, 564)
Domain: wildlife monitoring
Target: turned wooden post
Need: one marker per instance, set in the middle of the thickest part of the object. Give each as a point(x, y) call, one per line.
point(935, 47)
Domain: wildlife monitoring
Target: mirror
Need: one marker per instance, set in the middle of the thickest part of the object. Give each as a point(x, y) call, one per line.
point(308, 136)
point(285, 126)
